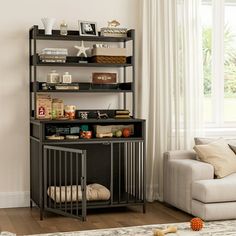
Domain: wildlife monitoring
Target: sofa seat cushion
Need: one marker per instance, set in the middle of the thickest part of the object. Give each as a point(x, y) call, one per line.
point(215, 190)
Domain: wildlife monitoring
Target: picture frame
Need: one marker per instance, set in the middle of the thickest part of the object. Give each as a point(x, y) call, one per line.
point(88, 28)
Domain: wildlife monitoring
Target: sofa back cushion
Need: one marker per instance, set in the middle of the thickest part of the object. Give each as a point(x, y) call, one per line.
point(219, 155)
point(200, 141)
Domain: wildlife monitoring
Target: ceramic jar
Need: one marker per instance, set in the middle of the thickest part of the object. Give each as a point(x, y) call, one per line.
point(70, 111)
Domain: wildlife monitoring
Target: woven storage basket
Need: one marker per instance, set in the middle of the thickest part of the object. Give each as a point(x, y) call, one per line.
point(109, 59)
point(109, 55)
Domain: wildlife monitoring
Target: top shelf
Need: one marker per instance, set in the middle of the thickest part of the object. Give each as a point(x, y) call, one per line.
point(73, 35)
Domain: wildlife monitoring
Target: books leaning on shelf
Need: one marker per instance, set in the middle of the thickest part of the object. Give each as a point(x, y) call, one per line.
point(54, 55)
point(60, 86)
point(122, 114)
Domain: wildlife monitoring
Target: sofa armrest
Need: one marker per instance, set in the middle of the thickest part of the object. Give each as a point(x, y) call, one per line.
point(179, 174)
point(180, 154)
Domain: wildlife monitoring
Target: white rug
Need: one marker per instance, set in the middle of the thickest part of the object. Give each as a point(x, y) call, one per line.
point(217, 228)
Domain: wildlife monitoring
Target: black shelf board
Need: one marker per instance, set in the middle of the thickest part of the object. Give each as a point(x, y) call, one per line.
point(96, 140)
point(85, 88)
point(72, 61)
point(74, 64)
point(86, 91)
point(88, 121)
point(73, 35)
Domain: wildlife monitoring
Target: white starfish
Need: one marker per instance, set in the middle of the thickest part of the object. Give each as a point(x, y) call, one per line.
point(82, 49)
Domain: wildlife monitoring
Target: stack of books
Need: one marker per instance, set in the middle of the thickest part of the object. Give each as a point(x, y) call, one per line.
point(55, 55)
point(122, 114)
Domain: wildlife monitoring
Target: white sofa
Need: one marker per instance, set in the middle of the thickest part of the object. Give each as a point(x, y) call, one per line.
point(190, 186)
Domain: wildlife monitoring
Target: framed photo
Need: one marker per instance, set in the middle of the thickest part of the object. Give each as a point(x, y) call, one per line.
point(87, 28)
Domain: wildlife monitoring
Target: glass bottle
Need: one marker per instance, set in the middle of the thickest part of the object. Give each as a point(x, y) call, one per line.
point(63, 28)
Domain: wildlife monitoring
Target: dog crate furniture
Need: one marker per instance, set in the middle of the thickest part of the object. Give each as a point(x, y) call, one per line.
point(70, 176)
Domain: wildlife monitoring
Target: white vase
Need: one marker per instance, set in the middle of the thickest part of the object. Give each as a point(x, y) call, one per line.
point(48, 24)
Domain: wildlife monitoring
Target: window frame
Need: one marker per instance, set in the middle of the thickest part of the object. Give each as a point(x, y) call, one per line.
point(218, 125)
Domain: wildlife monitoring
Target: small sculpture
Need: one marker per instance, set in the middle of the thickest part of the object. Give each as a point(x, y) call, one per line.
point(82, 49)
point(48, 24)
point(113, 23)
point(102, 115)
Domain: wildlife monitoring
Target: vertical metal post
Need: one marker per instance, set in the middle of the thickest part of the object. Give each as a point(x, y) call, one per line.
point(83, 186)
point(77, 183)
point(30, 73)
point(49, 177)
point(45, 167)
point(35, 66)
point(144, 177)
point(60, 177)
point(124, 80)
point(133, 73)
point(119, 173)
point(65, 181)
point(71, 184)
point(111, 183)
point(55, 176)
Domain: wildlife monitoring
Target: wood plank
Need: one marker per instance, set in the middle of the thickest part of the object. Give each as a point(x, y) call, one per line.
point(23, 221)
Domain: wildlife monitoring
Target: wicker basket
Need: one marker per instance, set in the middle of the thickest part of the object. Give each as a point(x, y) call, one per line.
point(109, 59)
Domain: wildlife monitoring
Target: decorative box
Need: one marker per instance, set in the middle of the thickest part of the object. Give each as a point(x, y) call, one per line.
point(114, 32)
point(109, 55)
point(66, 78)
point(104, 129)
point(104, 78)
point(43, 106)
point(57, 108)
point(53, 77)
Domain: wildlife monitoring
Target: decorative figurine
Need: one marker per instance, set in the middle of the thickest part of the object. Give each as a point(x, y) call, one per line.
point(82, 50)
point(83, 115)
point(113, 23)
point(63, 28)
point(113, 31)
point(102, 115)
point(48, 24)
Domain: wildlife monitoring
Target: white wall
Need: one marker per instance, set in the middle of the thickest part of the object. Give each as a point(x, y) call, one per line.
point(16, 17)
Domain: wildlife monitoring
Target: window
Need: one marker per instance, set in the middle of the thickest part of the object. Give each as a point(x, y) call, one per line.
point(219, 62)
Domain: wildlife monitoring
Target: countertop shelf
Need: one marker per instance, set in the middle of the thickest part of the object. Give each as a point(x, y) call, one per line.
point(88, 121)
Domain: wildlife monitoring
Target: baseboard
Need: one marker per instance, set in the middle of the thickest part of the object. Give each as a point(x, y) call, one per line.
point(14, 199)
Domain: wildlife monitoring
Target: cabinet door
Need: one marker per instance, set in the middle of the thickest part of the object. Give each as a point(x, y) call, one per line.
point(64, 175)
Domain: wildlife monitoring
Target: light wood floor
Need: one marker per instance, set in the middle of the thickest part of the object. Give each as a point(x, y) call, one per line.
point(23, 221)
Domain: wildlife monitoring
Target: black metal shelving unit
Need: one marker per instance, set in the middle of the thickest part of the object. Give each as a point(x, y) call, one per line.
point(117, 163)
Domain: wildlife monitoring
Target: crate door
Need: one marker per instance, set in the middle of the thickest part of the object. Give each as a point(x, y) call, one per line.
point(64, 174)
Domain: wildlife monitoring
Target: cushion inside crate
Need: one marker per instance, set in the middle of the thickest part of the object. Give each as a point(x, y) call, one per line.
point(73, 193)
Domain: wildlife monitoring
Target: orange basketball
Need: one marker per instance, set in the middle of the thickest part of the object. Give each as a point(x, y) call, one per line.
point(196, 224)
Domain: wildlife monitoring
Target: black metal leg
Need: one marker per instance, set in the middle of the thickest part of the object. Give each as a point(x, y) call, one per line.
point(41, 213)
point(144, 208)
point(31, 204)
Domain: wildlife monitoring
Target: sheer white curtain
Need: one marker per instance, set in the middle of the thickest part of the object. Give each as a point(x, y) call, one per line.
point(171, 87)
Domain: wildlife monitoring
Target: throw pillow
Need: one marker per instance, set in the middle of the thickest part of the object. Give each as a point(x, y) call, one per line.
point(200, 141)
point(219, 155)
point(233, 148)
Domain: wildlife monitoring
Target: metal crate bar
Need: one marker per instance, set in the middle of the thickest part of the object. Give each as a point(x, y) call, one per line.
point(65, 170)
